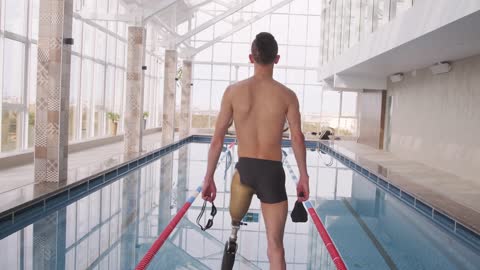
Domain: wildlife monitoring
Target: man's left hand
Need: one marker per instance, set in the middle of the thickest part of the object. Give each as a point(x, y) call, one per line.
point(303, 190)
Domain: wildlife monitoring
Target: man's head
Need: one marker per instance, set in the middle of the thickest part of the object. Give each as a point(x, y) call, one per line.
point(264, 49)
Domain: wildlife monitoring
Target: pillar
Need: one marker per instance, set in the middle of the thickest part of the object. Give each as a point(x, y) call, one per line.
point(130, 219)
point(165, 195)
point(53, 88)
point(49, 241)
point(169, 91)
point(134, 90)
point(182, 179)
point(186, 82)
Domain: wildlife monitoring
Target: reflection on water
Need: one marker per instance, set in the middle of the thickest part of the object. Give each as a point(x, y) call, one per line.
point(114, 227)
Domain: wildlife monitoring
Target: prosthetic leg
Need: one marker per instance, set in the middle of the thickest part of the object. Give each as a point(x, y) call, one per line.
point(240, 199)
point(230, 248)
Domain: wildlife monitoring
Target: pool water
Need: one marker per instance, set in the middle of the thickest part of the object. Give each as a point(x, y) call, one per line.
point(113, 228)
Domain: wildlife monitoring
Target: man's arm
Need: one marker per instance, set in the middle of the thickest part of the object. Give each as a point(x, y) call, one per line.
point(221, 127)
point(298, 145)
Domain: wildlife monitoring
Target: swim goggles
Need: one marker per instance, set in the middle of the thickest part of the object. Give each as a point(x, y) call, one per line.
point(210, 220)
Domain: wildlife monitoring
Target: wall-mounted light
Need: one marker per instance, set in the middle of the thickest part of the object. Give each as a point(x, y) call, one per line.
point(398, 77)
point(441, 67)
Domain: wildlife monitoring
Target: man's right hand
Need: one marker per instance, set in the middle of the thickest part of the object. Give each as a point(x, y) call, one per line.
point(209, 190)
point(303, 190)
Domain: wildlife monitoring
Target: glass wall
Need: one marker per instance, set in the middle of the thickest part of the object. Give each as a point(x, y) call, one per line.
point(296, 29)
point(18, 77)
point(97, 73)
point(346, 22)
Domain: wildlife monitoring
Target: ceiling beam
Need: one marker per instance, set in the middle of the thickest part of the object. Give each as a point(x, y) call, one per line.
point(172, 32)
point(210, 13)
point(191, 53)
point(213, 21)
point(98, 16)
point(137, 14)
point(164, 5)
point(222, 3)
point(195, 7)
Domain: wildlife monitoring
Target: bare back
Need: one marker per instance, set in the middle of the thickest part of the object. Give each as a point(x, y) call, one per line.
point(260, 108)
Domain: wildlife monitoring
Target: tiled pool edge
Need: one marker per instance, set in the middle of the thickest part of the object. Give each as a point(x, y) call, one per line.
point(436, 215)
point(24, 214)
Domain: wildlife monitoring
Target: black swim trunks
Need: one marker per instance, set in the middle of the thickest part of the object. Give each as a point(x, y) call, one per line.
point(266, 177)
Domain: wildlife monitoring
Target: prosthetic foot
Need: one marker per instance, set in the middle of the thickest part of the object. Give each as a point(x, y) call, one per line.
point(229, 255)
point(230, 248)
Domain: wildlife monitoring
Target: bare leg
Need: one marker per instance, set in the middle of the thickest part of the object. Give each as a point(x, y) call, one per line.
point(275, 216)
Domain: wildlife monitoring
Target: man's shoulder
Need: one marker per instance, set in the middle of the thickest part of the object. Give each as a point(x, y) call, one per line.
point(239, 84)
point(289, 92)
point(234, 88)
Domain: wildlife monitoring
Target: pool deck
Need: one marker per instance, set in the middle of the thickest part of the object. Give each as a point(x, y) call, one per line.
point(79, 163)
point(456, 196)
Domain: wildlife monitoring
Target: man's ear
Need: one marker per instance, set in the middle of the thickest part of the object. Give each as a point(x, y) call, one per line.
point(277, 58)
point(252, 60)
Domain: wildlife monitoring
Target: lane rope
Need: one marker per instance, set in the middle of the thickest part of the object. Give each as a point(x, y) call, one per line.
point(143, 264)
point(327, 240)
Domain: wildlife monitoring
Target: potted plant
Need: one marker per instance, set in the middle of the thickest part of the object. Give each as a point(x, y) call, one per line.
point(145, 116)
point(113, 117)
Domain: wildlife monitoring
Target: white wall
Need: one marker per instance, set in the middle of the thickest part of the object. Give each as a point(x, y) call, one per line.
point(436, 119)
point(370, 127)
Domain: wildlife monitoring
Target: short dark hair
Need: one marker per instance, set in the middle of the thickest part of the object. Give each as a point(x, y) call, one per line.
point(264, 48)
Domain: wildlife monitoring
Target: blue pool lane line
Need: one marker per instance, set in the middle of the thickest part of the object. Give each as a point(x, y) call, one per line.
point(192, 198)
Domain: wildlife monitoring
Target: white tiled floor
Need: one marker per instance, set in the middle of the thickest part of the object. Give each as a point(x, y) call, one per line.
point(23, 175)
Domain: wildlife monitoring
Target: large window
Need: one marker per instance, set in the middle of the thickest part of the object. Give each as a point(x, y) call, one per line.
point(153, 95)
point(296, 29)
point(16, 16)
point(18, 83)
point(345, 22)
point(98, 72)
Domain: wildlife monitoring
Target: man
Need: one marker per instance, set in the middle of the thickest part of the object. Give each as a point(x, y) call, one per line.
point(259, 107)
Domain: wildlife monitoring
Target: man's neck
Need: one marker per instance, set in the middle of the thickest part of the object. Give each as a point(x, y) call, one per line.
point(263, 71)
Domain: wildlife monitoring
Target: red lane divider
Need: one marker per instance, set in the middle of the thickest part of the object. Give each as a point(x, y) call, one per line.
point(332, 250)
point(142, 265)
point(327, 240)
point(162, 238)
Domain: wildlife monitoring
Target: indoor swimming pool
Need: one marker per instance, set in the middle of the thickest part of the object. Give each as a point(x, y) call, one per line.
point(114, 226)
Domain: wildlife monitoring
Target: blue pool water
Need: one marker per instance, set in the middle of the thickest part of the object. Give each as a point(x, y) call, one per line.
point(113, 227)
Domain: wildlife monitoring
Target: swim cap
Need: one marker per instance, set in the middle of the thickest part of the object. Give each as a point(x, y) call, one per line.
point(299, 214)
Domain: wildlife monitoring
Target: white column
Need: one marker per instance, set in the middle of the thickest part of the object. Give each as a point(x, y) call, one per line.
point(134, 90)
point(169, 92)
point(53, 88)
point(186, 81)
point(129, 219)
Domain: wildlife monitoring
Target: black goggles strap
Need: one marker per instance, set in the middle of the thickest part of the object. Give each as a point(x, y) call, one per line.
point(210, 221)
